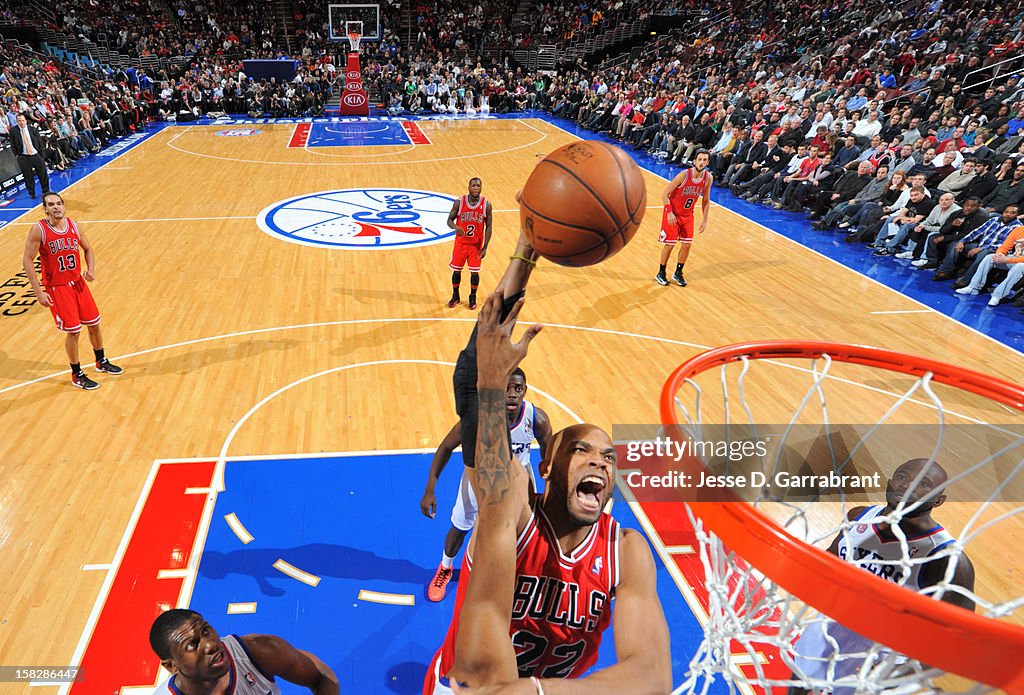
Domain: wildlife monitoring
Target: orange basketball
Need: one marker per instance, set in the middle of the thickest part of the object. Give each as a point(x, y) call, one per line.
point(583, 203)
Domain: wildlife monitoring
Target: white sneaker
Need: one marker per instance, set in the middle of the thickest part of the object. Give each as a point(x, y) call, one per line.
point(966, 290)
point(994, 301)
point(905, 254)
point(919, 262)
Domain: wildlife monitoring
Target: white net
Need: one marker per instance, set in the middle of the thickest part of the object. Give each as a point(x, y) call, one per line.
point(945, 523)
point(354, 32)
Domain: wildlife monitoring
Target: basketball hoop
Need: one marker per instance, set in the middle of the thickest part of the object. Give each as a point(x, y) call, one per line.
point(353, 41)
point(766, 585)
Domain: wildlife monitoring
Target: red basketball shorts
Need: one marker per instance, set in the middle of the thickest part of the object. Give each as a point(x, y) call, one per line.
point(462, 254)
point(681, 231)
point(72, 306)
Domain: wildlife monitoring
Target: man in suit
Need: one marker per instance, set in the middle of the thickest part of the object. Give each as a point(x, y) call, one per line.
point(27, 146)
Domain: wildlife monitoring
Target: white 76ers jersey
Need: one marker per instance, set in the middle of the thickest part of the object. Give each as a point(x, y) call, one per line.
point(827, 649)
point(879, 557)
point(522, 435)
point(246, 678)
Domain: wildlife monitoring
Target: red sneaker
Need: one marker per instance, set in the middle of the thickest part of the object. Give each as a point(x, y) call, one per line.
point(439, 584)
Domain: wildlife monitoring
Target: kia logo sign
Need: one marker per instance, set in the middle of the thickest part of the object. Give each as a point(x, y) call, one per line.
point(354, 87)
point(353, 75)
point(354, 99)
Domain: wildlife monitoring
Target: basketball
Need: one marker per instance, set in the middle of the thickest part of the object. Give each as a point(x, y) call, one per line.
point(583, 203)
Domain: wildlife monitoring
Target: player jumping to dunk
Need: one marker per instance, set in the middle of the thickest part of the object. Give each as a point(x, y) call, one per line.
point(540, 574)
point(470, 217)
point(680, 198)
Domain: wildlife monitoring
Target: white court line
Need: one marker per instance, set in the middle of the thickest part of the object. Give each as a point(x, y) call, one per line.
point(96, 568)
point(172, 574)
point(240, 531)
point(905, 311)
point(390, 599)
point(475, 155)
point(295, 573)
point(101, 597)
point(244, 608)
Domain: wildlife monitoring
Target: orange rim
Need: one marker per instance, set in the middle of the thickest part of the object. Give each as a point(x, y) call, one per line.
point(936, 633)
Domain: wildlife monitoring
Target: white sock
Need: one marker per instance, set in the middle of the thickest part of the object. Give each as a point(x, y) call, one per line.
point(446, 561)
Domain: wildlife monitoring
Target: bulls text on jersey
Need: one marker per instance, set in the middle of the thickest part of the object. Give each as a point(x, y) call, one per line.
point(63, 244)
point(557, 602)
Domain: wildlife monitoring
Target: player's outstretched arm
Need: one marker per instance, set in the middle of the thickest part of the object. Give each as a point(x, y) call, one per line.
point(428, 503)
point(520, 265)
point(641, 638)
point(276, 657)
point(483, 651)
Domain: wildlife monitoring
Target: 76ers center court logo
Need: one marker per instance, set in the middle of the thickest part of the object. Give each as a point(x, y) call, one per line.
point(361, 218)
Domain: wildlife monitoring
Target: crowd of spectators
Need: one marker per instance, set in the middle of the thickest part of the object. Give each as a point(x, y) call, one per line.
point(75, 116)
point(882, 122)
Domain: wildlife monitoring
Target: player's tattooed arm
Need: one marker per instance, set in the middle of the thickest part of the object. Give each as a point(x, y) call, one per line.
point(494, 470)
point(497, 356)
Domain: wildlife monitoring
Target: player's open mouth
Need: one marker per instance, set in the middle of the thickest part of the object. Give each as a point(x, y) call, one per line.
point(511, 407)
point(217, 659)
point(588, 492)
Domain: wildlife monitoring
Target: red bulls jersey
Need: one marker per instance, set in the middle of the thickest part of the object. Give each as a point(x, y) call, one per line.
point(473, 219)
point(684, 198)
point(58, 254)
point(561, 605)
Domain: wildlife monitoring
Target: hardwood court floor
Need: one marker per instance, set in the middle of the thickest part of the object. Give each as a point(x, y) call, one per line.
point(208, 315)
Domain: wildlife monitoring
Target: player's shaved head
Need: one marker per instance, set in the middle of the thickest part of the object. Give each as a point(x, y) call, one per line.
point(906, 486)
point(573, 433)
point(936, 473)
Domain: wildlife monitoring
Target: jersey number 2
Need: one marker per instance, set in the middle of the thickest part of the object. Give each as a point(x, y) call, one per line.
point(68, 262)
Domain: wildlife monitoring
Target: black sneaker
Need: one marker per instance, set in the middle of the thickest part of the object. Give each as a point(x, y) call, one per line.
point(661, 279)
point(83, 382)
point(453, 302)
point(108, 367)
point(678, 278)
point(882, 251)
point(472, 301)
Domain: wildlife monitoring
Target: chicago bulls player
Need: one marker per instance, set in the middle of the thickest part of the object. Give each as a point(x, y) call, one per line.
point(471, 219)
point(680, 198)
point(540, 574)
point(57, 240)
